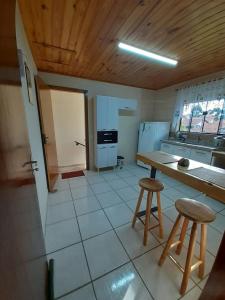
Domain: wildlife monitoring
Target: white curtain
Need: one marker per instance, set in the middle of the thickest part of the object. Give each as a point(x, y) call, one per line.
point(212, 90)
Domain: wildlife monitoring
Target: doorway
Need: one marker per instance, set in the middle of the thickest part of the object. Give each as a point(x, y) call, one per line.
point(69, 109)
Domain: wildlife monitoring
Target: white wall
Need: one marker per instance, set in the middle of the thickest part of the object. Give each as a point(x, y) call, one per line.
point(69, 124)
point(144, 111)
point(164, 104)
point(33, 120)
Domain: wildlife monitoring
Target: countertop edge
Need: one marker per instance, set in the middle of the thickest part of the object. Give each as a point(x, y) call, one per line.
point(193, 146)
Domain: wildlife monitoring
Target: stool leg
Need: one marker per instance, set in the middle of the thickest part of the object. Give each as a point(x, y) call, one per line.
point(147, 217)
point(170, 240)
point(159, 215)
point(202, 250)
point(190, 254)
point(138, 206)
point(182, 236)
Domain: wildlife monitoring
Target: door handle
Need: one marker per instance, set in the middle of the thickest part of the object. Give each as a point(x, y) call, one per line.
point(34, 170)
point(30, 162)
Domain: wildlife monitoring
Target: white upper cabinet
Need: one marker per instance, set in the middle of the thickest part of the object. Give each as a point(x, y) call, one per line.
point(128, 104)
point(107, 111)
point(102, 108)
point(107, 117)
point(113, 114)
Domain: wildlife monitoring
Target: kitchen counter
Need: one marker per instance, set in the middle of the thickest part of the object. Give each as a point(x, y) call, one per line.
point(189, 145)
point(218, 153)
point(196, 176)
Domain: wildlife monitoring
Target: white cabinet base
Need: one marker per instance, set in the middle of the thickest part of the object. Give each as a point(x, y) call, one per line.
point(106, 155)
point(188, 152)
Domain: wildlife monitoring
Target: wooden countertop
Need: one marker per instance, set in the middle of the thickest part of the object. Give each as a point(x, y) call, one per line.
point(212, 190)
point(189, 145)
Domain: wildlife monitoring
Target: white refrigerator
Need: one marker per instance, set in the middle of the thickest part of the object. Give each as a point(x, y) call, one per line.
point(150, 136)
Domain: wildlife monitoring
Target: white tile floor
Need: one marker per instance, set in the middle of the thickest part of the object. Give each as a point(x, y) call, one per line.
point(99, 256)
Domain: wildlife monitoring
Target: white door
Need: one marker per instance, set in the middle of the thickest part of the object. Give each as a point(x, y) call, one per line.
point(102, 156)
point(161, 132)
point(112, 155)
point(145, 138)
point(113, 114)
point(102, 107)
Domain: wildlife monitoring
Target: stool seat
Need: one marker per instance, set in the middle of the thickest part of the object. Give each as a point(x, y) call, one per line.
point(195, 210)
point(150, 184)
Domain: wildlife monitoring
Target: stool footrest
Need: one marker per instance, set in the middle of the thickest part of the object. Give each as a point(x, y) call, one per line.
point(154, 209)
point(154, 226)
point(196, 265)
point(175, 244)
point(143, 212)
point(193, 267)
point(176, 263)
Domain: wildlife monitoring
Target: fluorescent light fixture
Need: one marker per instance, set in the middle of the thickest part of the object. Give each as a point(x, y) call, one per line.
point(148, 54)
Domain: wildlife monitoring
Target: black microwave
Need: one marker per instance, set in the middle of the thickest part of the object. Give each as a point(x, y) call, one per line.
point(107, 137)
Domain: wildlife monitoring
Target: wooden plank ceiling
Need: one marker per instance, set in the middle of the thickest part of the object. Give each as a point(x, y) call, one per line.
point(80, 38)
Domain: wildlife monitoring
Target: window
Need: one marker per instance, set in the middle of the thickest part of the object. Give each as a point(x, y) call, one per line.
point(222, 123)
point(205, 116)
point(198, 116)
point(213, 117)
point(186, 118)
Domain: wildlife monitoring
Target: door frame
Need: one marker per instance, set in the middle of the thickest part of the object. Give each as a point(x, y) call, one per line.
point(50, 178)
point(85, 93)
point(41, 130)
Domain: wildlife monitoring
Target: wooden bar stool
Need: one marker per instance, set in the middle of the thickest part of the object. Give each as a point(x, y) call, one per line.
point(151, 186)
point(198, 213)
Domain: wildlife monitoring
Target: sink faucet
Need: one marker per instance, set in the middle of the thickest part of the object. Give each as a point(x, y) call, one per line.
point(182, 137)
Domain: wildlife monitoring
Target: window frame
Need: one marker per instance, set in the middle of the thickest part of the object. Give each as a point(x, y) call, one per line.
point(201, 132)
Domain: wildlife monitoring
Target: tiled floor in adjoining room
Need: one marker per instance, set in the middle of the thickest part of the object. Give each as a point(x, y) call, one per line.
point(99, 256)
